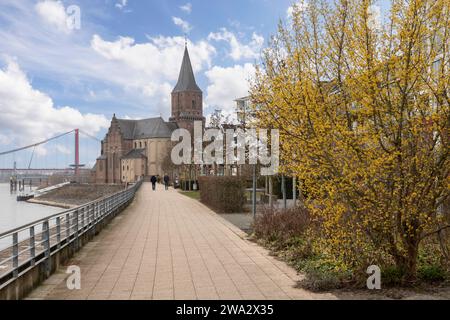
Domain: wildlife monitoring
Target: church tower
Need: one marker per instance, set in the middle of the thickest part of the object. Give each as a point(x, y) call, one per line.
point(187, 98)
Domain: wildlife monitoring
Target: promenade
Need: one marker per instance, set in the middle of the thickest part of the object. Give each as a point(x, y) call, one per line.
point(168, 246)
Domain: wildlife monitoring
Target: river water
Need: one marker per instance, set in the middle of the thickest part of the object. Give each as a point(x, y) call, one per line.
point(14, 214)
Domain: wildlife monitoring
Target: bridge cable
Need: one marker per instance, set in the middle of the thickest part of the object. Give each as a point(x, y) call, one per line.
point(35, 144)
point(90, 136)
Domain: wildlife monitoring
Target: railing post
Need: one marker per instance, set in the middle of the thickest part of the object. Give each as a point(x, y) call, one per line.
point(32, 245)
point(67, 228)
point(15, 260)
point(82, 219)
point(58, 231)
point(75, 213)
point(46, 242)
point(92, 218)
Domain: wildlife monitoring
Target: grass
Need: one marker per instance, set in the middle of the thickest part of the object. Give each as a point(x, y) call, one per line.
point(191, 194)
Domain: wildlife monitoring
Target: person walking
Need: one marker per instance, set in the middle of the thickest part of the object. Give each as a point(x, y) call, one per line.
point(166, 181)
point(153, 181)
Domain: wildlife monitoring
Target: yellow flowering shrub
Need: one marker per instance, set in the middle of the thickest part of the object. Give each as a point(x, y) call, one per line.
point(363, 112)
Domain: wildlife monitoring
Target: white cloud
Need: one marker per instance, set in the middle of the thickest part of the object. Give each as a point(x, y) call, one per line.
point(147, 58)
point(227, 84)
point(184, 25)
point(121, 4)
point(129, 77)
point(239, 50)
point(29, 115)
point(136, 77)
point(300, 5)
point(54, 14)
point(186, 8)
point(138, 65)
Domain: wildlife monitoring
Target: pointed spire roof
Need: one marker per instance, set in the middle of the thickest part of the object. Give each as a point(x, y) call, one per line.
point(186, 79)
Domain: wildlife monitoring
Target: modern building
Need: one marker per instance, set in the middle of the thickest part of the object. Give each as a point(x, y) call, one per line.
point(138, 148)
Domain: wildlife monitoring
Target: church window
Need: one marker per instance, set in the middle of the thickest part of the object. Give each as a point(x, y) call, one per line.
point(193, 104)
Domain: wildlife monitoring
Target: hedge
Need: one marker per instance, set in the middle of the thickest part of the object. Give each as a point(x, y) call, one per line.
point(223, 194)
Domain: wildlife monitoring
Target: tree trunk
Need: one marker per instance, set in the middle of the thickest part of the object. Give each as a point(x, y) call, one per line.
point(411, 262)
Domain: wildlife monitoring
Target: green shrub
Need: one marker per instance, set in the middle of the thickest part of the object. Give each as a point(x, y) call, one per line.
point(432, 273)
point(392, 276)
point(321, 274)
point(432, 265)
point(223, 194)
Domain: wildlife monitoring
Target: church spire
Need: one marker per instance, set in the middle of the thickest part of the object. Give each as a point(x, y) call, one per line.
point(186, 79)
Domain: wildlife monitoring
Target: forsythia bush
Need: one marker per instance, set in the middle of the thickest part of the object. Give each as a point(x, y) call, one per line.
point(362, 106)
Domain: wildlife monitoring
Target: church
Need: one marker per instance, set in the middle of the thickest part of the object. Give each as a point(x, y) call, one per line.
point(137, 148)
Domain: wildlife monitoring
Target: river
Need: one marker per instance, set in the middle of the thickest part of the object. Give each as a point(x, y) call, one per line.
point(14, 214)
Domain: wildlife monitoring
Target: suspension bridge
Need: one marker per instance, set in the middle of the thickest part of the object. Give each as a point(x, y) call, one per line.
point(60, 154)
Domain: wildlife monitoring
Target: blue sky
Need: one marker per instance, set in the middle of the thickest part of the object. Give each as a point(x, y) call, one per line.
point(123, 59)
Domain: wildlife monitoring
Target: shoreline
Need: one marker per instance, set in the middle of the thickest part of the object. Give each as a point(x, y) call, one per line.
point(61, 205)
point(74, 195)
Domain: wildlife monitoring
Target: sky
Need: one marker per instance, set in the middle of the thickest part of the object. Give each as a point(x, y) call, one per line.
point(68, 64)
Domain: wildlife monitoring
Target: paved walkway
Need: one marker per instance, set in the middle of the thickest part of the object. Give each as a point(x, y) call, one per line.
point(168, 246)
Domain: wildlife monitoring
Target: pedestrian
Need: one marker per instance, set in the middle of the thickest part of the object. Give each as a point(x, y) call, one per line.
point(166, 181)
point(153, 180)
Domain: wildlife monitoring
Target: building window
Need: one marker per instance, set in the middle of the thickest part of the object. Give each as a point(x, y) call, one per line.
point(193, 104)
point(140, 144)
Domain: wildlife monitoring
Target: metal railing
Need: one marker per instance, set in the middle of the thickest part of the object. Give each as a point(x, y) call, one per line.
point(34, 243)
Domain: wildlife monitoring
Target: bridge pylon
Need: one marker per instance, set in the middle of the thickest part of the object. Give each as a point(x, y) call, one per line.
point(77, 164)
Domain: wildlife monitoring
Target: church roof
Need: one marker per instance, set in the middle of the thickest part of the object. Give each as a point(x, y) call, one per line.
point(135, 154)
point(146, 128)
point(186, 79)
